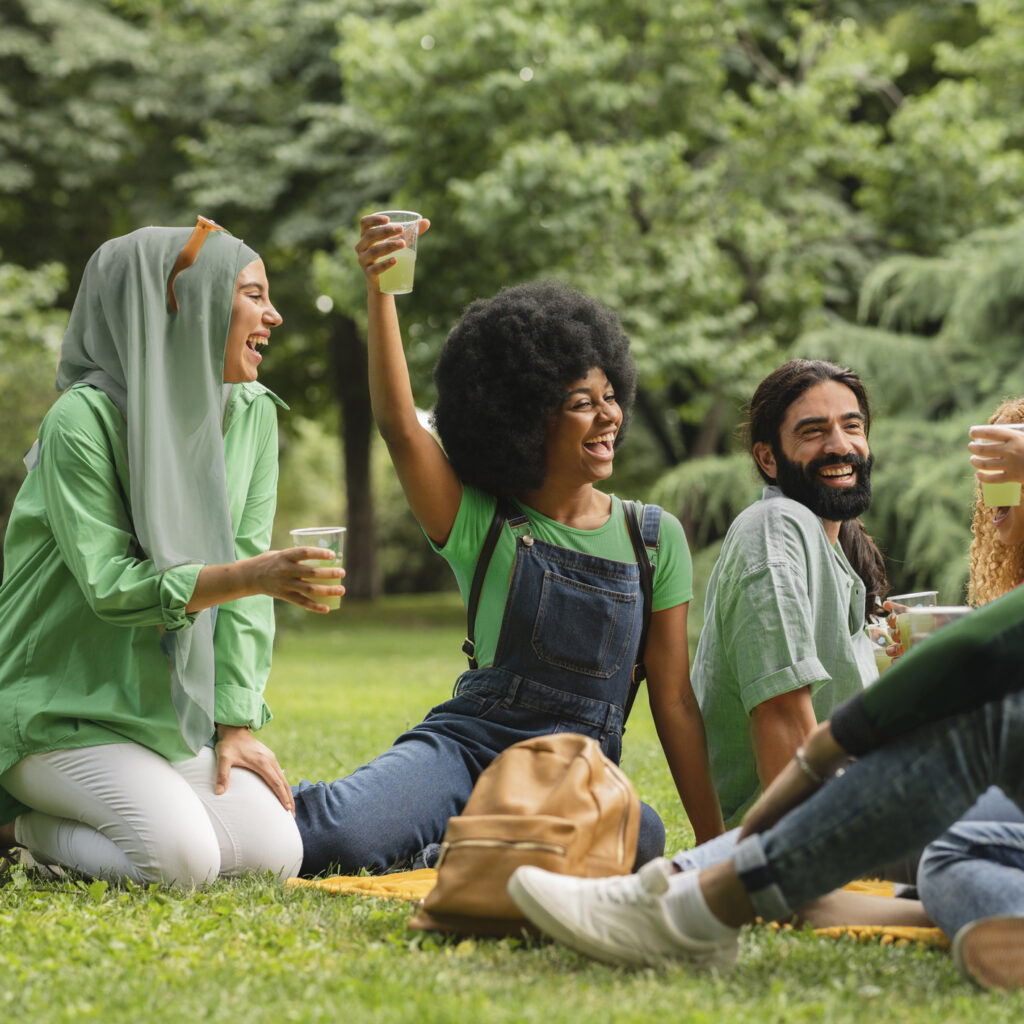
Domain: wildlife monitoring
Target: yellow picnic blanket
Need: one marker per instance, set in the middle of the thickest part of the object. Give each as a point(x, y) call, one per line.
point(414, 885)
point(401, 885)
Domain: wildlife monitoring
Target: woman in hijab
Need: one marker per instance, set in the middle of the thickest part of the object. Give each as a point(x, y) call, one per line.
point(136, 613)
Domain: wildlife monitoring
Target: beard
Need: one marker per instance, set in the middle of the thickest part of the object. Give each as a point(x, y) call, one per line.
point(800, 481)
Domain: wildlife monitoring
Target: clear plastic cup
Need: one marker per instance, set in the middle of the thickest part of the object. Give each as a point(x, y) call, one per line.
point(917, 624)
point(397, 280)
point(332, 540)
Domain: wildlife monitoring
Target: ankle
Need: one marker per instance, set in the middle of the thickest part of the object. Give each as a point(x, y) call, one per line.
point(725, 895)
point(687, 906)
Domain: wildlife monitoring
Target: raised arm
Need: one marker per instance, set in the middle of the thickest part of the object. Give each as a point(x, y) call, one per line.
point(430, 484)
point(678, 720)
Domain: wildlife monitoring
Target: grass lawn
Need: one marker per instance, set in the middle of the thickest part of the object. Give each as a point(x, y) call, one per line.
point(252, 951)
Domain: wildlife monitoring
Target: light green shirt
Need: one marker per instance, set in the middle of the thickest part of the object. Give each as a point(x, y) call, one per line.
point(784, 610)
point(673, 573)
point(82, 611)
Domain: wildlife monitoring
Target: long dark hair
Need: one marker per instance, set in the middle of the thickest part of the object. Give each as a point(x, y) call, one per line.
point(773, 397)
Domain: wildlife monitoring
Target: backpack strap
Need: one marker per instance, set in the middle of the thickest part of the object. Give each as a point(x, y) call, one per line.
point(643, 534)
point(503, 511)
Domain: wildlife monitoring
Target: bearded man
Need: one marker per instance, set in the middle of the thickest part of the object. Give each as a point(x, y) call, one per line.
point(783, 641)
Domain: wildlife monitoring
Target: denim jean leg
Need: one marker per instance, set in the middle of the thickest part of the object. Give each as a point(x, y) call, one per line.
point(651, 839)
point(897, 797)
point(385, 811)
point(975, 869)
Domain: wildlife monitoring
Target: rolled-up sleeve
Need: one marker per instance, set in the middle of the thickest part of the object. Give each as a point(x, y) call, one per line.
point(778, 651)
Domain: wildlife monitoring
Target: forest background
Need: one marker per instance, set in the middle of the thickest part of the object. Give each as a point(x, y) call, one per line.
point(742, 180)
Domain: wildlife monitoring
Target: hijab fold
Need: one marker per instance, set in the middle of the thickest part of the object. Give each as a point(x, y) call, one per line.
point(164, 371)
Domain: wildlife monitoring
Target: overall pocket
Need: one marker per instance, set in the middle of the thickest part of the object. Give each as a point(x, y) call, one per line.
point(584, 628)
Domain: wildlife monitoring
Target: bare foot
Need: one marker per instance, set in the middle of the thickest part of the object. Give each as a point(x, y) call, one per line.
point(856, 908)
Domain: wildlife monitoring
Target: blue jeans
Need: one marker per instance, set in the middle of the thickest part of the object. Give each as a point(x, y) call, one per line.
point(976, 869)
point(393, 808)
point(891, 801)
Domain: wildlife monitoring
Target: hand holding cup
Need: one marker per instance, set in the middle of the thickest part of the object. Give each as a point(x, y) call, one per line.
point(328, 542)
point(387, 249)
point(997, 453)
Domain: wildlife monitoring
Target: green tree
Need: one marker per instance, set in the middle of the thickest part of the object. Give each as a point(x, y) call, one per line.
point(28, 361)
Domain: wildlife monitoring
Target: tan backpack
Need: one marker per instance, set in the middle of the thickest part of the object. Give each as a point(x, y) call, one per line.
point(552, 801)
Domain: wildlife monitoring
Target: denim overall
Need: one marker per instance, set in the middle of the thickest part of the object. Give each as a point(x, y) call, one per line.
point(563, 663)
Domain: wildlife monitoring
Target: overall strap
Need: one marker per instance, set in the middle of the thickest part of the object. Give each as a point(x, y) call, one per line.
point(503, 511)
point(643, 534)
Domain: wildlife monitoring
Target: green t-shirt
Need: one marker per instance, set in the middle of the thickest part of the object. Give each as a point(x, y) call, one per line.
point(673, 574)
point(82, 611)
point(784, 610)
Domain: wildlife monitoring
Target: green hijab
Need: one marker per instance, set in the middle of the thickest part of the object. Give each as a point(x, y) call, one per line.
point(165, 370)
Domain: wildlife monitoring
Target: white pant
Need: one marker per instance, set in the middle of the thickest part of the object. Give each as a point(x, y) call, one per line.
point(121, 811)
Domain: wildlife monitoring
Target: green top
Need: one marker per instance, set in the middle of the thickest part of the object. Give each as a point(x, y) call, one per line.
point(673, 574)
point(83, 612)
point(164, 371)
point(784, 610)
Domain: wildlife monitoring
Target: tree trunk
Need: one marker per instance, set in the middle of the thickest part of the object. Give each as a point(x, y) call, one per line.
point(651, 415)
point(348, 360)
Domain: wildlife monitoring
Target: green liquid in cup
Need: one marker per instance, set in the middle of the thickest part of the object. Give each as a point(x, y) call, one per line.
point(1001, 495)
point(882, 660)
point(397, 280)
point(334, 601)
point(905, 630)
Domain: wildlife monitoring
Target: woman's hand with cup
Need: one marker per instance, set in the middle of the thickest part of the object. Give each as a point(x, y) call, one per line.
point(379, 241)
point(997, 452)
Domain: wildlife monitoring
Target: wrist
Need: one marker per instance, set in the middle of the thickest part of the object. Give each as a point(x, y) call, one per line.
point(223, 731)
point(820, 755)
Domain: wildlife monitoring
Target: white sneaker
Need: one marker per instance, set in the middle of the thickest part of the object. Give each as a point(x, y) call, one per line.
point(990, 952)
point(620, 920)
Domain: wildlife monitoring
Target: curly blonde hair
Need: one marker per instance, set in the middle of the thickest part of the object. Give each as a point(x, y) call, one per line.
point(995, 568)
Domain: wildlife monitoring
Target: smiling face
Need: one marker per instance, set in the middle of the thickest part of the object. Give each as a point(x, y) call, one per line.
point(581, 432)
point(252, 317)
point(822, 458)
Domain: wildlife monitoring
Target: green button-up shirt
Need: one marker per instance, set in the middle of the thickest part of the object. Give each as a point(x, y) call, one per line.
point(82, 611)
point(784, 610)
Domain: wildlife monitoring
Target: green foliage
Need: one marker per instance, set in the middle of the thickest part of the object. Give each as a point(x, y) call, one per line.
point(309, 491)
point(732, 177)
point(28, 360)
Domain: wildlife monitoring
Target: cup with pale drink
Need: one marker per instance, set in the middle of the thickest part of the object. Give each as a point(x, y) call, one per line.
point(1007, 492)
point(899, 604)
point(332, 540)
point(917, 624)
point(397, 280)
point(880, 637)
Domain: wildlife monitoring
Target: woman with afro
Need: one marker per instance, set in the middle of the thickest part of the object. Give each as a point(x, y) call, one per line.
point(534, 390)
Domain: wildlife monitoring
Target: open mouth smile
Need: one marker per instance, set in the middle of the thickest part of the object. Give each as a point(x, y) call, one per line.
point(843, 475)
point(252, 341)
point(603, 444)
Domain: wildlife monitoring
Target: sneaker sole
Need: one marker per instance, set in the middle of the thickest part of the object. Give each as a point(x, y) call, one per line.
point(990, 952)
point(716, 959)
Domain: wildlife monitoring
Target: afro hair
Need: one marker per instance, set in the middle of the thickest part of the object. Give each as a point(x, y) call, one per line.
point(504, 370)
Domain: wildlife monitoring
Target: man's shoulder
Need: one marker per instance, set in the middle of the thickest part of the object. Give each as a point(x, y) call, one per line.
point(771, 514)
